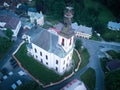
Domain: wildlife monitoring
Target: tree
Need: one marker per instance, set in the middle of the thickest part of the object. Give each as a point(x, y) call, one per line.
point(78, 44)
point(40, 5)
point(58, 8)
point(9, 33)
point(4, 45)
point(112, 80)
point(113, 5)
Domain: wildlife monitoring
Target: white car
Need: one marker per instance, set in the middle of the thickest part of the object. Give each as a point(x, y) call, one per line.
point(21, 73)
point(14, 86)
point(19, 82)
point(5, 77)
point(10, 73)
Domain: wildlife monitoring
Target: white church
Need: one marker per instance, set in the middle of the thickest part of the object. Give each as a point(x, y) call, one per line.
point(53, 50)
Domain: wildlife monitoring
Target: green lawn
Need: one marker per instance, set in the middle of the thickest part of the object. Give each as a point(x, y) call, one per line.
point(83, 53)
point(84, 57)
point(89, 78)
point(38, 70)
point(76, 59)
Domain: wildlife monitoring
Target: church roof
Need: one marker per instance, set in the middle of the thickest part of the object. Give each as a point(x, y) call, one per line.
point(46, 40)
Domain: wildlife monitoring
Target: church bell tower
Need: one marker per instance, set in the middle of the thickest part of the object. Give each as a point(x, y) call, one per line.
point(66, 35)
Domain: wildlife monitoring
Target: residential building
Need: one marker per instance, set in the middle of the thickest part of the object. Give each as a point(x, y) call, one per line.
point(114, 25)
point(82, 31)
point(11, 22)
point(74, 85)
point(53, 50)
point(113, 65)
point(36, 17)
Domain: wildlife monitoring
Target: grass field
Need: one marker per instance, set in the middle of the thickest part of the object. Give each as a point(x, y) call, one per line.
point(76, 59)
point(84, 57)
point(89, 78)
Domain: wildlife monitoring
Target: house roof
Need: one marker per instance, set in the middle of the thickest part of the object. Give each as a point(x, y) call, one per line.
point(46, 40)
point(84, 29)
point(32, 9)
point(11, 21)
point(36, 15)
point(75, 26)
point(114, 25)
point(59, 26)
point(74, 85)
point(34, 31)
point(113, 64)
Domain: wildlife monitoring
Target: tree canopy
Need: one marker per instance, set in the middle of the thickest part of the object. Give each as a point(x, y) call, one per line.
point(9, 33)
point(112, 80)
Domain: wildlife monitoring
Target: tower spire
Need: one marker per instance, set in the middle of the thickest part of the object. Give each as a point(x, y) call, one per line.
point(68, 15)
point(67, 30)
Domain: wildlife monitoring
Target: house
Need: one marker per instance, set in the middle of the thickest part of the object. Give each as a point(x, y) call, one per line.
point(11, 22)
point(36, 17)
point(74, 85)
point(82, 31)
point(114, 25)
point(113, 65)
point(52, 50)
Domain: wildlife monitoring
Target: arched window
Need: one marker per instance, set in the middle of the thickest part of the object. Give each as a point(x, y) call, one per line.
point(62, 41)
point(70, 41)
point(35, 50)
